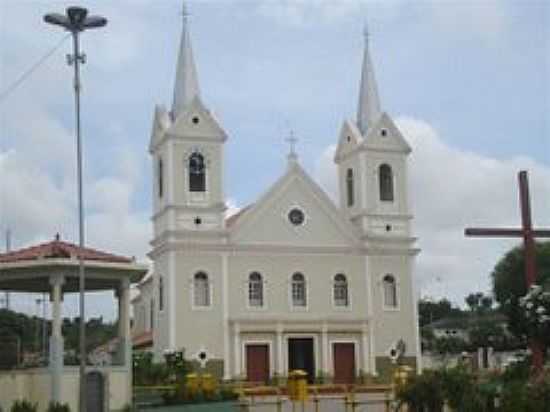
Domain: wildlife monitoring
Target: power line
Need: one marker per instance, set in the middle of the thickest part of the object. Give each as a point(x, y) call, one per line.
point(31, 70)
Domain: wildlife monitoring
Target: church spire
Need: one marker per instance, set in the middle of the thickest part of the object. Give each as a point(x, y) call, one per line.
point(187, 84)
point(368, 109)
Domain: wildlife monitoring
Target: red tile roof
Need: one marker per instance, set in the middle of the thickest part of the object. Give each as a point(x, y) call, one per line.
point(143, 340)
point(59, 249)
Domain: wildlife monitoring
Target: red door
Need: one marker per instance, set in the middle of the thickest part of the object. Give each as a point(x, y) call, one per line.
point(344, 362)
point(257, 363)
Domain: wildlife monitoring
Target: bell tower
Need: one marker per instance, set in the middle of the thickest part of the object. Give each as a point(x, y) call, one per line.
point(187, 154)
point(372, 164)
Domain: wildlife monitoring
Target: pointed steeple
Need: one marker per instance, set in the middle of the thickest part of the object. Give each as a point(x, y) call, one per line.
point(368, 109)
point(187, 84)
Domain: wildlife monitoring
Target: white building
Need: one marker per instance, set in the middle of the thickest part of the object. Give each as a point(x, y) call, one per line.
point(293, 280)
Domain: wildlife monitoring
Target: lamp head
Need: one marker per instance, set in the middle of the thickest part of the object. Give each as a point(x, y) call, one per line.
point(77, 16)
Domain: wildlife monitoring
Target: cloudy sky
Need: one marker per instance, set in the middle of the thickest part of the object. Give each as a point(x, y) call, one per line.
point(468, 83)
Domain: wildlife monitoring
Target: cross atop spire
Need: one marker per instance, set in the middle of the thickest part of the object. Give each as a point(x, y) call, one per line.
point(368, 109)
point(187, 85)
point(292, 140)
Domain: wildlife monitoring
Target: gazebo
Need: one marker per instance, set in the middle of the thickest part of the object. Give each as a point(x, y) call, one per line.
point(52, 268)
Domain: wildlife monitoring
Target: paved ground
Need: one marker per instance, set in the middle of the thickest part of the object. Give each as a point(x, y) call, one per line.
point(266, 404)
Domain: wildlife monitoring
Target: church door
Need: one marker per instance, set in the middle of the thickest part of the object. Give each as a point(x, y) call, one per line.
point(344, 362)
point(301, 356)
point(257, 363)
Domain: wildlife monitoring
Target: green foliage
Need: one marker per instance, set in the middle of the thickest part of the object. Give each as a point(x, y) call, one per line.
point(429, 311)
point(24, 406)
point(423, 393)
point(27, 328)
point(58, 407)
point(509, 284)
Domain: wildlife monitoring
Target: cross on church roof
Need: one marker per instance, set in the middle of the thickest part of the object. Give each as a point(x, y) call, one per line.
point(292, 140)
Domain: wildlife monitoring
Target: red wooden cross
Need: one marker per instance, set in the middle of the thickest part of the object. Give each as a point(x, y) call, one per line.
point(528, 234)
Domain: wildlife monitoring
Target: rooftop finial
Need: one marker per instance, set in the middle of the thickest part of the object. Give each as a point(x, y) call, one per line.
point(292, 140)
point(366, 33)
point(184, 11)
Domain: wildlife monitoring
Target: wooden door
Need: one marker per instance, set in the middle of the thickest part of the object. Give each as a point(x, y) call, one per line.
point(344, 362)
point(257, 363)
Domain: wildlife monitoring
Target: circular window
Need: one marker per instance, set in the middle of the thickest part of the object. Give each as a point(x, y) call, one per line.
point(296, 217)
point(195, 120)
point(198, 220)
point(202, 356)
point(384, 132)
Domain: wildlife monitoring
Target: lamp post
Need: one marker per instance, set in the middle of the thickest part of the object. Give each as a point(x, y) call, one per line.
point(75, 21)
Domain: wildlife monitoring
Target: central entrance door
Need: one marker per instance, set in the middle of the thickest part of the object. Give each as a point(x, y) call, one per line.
point(344, 362)
point(257, 363)
point(301, 356)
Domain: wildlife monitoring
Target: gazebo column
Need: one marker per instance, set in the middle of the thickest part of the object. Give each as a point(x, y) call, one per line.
point(125, 349)
point(56, 338)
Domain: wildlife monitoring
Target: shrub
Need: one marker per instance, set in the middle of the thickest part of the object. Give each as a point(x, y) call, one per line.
point(423, 393)
point(24, 406)
point(58, 407)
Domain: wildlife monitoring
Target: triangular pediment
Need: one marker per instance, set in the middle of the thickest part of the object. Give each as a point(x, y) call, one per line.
point(350, 138)
point(197, 122)
point(267, 222)
point(385, 135)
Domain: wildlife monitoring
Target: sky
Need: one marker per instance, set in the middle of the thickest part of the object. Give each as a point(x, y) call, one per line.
point(467, 82)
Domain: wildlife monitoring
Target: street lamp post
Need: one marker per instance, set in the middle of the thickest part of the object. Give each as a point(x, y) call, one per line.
point(75, 21)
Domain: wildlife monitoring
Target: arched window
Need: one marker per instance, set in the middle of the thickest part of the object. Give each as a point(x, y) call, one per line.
point(349, 186)
point(390, 291)
point(161, 293)
point(201, 289)
point(341, 290)
point(299, 297)
point(385, 177)
point(160, 177)
point(255, 290)
point(197, 181)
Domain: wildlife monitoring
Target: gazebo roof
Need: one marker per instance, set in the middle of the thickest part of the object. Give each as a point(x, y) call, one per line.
point(29, 269)
point(59, 249)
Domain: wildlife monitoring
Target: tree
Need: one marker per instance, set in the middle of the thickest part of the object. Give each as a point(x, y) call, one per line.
point(509, 285)
point(430, 311)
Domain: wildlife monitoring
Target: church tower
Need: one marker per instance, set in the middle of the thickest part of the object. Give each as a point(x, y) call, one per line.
point(372, 159)
point(187, 153)
point(372, 165)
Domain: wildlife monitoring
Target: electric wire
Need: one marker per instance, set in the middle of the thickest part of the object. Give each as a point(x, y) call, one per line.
point(4, 94)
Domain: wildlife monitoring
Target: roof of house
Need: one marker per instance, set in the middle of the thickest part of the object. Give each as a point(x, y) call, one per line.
point(143, 340)
point(466, 322)
point(60, 249)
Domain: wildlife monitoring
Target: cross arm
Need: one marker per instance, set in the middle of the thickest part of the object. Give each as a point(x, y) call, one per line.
point(479, 232)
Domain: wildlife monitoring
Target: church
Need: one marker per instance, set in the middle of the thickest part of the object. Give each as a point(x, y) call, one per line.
point(292, 281)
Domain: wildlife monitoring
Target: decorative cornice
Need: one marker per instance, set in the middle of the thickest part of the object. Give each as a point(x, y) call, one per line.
point(216, 208)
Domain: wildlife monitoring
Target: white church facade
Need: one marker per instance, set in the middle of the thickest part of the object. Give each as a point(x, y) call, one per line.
point(293, 281)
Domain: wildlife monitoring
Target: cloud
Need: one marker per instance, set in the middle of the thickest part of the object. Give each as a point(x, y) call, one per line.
point(308, 12)
point(452, 189)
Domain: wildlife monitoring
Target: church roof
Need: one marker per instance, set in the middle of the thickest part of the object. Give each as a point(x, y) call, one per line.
point(186, 87)
point(231, 220)
point(59, 249)
point(368, 109)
